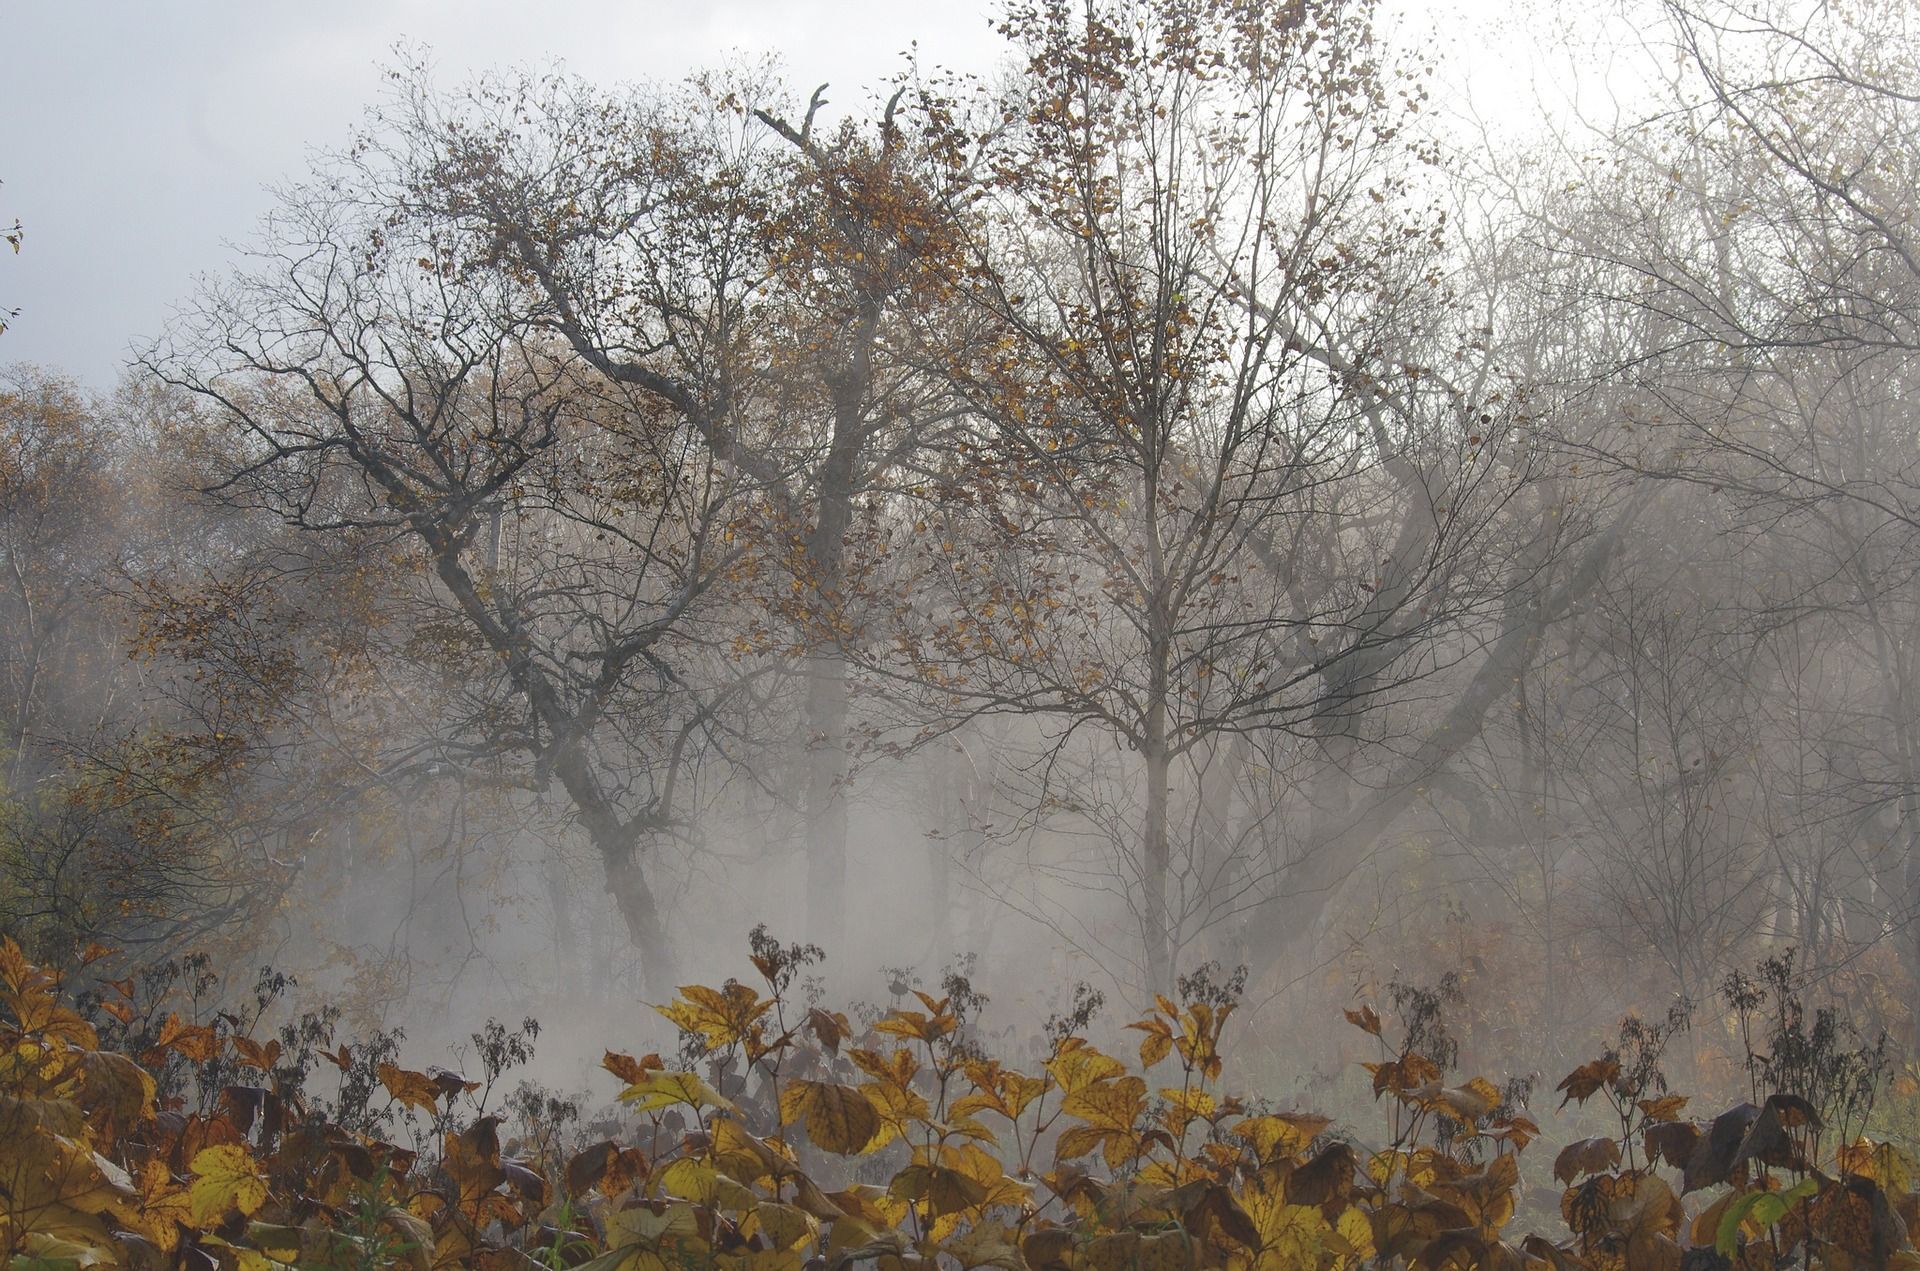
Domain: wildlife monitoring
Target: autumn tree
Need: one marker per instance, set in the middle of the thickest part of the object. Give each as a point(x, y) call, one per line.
point(794, 359)
point(375, 378)
point(1225, 499)
point(126, 817)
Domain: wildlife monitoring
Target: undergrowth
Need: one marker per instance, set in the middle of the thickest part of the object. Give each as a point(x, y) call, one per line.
point(787, 1136)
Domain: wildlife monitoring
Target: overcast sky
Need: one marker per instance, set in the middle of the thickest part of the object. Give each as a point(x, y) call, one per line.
point(141, 134)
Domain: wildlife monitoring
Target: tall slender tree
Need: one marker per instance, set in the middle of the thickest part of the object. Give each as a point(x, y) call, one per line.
point(1219, 498)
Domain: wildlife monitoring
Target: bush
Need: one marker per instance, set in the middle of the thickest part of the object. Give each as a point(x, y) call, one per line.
point(788, 1137)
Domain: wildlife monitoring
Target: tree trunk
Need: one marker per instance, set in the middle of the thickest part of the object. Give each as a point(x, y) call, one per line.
point(1334, 845)
point(1156, 857)
point(827, 773)
point(616, 839)
point(828, 761)
point(659, 975)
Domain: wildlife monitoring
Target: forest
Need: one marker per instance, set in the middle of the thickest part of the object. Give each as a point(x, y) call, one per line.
point(1158, 660)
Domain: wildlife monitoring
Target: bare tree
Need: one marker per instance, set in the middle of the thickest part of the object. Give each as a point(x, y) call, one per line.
point(377, 383)
point(1220, 497)
point(1755, 231)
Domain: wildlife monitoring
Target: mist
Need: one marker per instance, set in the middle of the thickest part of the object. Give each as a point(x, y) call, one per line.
point(1173, 511)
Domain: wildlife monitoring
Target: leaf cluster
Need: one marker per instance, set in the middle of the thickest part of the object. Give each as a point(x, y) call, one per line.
point(796, 1139)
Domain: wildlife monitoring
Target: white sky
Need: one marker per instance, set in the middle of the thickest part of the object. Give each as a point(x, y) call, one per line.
point(140, 134)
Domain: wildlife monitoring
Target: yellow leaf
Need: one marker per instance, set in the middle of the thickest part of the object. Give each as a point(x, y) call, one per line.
point(944, 1190)
point(626, 1258)
point(898, 1106)
point(838, 1118)
point(759, 1260)
point(660, 1089)
point(55, 1251)
point(1078, 1140)
point(720, 1017)
point(1158, 1042)
point(786, 1226)
point(986, 1244)
point(225, 1179)
point(1355, 1231)
point(701, 1183)
point(115, 1092)
point(1110, 1105)
point(1885, 1164)
point(985, 1168)
point(740, 1154)
point(673, 1223)
point(1284, 1134)
point(1079, 1068)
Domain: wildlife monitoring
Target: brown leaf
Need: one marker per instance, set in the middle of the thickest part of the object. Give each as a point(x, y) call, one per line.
point(1327, 1180)
point(1586, 1156)
point(451, 1083)
point(628, 1069)
point(1048, 1249)
point(1673, 1142)
point(1216, 1213)
point(1404, 1075)
point(829, 1028)
point(1581, 1084)
point(945, 1191)
point(589, 1165)
point(1553, 1255)
point(1453, 1249)
point(1665, 1108)
point(619, 1171)
point(529, 1183)
point(1853, 1215)
point(245, 1104)
point(472, 1159)
point(1769, 1139)
point(1715, 1155)
point(255, 1055)
point(197, 1042)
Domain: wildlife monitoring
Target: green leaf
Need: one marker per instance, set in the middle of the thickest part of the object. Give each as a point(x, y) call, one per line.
point(1764, 1208)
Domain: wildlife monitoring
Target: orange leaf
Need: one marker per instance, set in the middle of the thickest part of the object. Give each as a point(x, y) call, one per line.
point(415, 1089)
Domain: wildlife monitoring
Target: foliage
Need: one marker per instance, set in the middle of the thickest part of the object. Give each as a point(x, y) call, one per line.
point(793, 1138)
